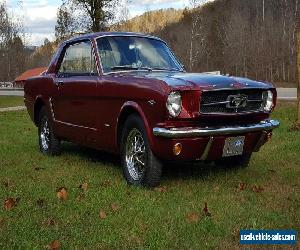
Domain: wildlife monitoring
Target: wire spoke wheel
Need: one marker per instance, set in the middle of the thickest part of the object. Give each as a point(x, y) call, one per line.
point(135, 154)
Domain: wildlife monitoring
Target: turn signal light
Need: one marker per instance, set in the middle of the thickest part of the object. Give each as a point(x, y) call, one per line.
point(177, 148)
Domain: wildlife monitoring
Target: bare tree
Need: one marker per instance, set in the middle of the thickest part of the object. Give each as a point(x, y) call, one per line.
point(81, 16)
point(66, 24)
point(11, 45)
point(297, 124)
point(195, 23)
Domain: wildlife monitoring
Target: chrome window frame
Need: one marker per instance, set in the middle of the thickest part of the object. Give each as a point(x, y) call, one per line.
point(73, 43)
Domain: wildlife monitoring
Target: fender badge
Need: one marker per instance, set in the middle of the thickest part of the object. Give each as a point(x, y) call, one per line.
point(151, 102)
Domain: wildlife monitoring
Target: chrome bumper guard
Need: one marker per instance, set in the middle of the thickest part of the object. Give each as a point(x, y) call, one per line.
point(266, 125)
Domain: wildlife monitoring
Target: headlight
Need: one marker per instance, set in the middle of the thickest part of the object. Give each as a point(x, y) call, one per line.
point(174, 104)
point(268, 100)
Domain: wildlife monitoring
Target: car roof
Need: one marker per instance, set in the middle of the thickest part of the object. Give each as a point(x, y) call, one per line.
point(105, 34)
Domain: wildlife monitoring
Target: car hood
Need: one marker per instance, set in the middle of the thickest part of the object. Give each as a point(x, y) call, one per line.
point(200, 80)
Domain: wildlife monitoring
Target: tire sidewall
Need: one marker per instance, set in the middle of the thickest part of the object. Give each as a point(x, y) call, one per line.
point(42, 120)
point(54, 143)
point(133, 122)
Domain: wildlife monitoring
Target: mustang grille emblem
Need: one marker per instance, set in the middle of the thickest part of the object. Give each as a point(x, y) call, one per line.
point(237, 101)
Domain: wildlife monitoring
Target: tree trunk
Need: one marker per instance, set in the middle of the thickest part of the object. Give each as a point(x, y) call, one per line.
point(298, 75)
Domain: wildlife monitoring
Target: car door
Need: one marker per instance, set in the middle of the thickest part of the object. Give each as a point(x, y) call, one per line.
point(74, 104)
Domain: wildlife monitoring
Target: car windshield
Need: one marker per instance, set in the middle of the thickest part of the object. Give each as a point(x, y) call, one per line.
point(120, 53)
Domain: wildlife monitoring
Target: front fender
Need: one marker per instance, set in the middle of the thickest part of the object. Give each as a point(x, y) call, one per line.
point(131, 107)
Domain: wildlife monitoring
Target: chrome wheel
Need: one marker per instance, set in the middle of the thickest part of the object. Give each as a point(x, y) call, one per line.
point(135, 154)
point(45, 136)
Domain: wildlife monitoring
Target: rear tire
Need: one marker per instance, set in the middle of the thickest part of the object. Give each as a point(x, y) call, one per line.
point(241, 161)
point(140, 166)
point(48, 142)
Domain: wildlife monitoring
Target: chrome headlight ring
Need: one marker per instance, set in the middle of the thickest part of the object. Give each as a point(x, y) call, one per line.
point(174, 103)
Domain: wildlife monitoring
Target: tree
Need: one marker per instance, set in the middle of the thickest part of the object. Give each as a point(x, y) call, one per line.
point(99, 12)
point(297, 124)
point(195, 25)
point(11, 46)
point(81, 16)
point(65, 25)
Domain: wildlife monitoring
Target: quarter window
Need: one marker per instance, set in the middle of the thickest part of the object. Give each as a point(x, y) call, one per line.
point(78, 60)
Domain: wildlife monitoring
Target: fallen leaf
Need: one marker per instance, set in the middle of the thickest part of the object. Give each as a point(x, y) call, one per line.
point(84, 186)
point(128, 192)
point(257, 189)
point(54, 245)
point(38, 168)
point(49, 222)
point(115, 207)
point(102, 214)
point(105, 183)
point(205, 210)
point(80, 197)
point(41, 202)
point(162, 189)
point(7, 183)
point(143, 227)
point(62, 193)
point(9, 203)
point(192, 217)
point(242, 186)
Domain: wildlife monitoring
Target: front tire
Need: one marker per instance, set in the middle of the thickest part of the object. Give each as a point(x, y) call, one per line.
point(140, 166)
point(48, 142)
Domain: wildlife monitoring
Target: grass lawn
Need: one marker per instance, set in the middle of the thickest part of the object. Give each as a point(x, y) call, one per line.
point(11, 101)
point(168, 217)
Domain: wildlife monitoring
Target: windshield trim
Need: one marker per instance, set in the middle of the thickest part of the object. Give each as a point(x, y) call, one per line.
point(181, 69)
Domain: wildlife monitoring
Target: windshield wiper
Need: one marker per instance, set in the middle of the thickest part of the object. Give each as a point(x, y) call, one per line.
point(129, 67)
point(167, 69)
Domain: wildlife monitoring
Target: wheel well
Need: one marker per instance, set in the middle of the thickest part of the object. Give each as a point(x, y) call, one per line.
point(37, 108)
point(126, 112)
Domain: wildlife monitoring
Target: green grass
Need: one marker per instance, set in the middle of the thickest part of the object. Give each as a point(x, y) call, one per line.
point(146, 218)
point(11, 101)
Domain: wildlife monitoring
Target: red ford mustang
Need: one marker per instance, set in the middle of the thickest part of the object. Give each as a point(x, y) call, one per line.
point(127, 93)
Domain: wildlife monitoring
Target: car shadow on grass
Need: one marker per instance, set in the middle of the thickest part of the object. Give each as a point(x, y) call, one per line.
point(91, 155)
point(192, 170)
point(171, 170)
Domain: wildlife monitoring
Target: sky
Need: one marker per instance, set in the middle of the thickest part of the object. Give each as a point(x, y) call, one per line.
point(40, 15)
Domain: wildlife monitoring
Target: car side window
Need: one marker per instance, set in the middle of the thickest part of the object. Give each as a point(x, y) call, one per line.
point(78, 60)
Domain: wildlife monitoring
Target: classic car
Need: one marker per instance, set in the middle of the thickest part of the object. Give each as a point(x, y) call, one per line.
point(127, 94)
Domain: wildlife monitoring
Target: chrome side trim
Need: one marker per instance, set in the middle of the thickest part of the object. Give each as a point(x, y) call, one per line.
point(213, 131)
point(51, 109)
point(239, 89)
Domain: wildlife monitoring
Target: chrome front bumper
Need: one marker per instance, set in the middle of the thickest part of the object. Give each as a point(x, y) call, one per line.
point(266, 125)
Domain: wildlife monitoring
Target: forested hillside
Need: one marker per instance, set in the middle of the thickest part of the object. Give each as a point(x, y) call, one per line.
point(151, 21)
point(253, 38)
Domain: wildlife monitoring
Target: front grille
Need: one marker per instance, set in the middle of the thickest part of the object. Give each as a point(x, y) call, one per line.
point(232, 101)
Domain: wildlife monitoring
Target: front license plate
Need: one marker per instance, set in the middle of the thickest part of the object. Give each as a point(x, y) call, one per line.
point(234, 146)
